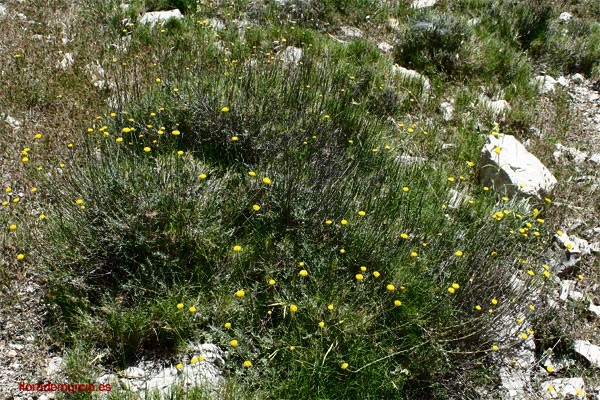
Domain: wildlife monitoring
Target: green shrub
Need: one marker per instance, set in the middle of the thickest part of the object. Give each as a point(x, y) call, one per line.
point(433, 42)
point(572, 47)
point(155, 232)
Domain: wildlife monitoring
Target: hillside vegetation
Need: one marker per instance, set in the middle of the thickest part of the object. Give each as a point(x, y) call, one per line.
point(251, 176)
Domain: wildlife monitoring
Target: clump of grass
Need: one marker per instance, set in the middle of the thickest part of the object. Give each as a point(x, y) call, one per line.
point(287, 185)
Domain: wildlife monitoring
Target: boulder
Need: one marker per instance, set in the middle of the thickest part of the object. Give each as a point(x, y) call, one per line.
point(507, 166)
point(291, 56)
point(589, 351)
point(545, 83)
point(160, 16)
point(423, 3)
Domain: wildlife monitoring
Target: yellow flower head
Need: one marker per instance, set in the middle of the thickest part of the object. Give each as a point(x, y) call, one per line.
point(272, 282)
point(225, 109)
point(256, 207)
point(344, 222)
point(293, 308)
point(397, 303)
point(361, 213)
point(391, 287)
point(192, 309)
point(359, 277)
point(266, 181)
point(180, 305)
point(321, 324)
point(240, 293)
point(20, 257)
point(344, 366)
point(247, 364)
point(330, 307)
point(234, 343)
point(227, 325)
point(237, 248)
point(459, 253)
point(303, 272)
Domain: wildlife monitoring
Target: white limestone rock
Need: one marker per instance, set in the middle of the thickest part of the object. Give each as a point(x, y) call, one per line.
point(291, 56)
point(563, 387)
point(447, 108)
point(12, 122)
point(67, 61)
point(594, 309)
point(133, 373)
point(155, 17)
point(507, 166)
point(55, 366)
point(565, 17)
point(578, 79)
point(385, 47)
point(215, 24)
point(514, 382)
point(577, 156)
point(589, 351)
point(423, 3)
point(410, 75)
point(498, 107)
point(351, 32)
point(545, 83)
